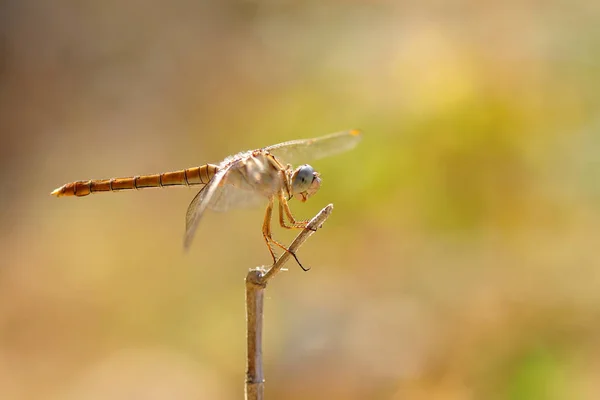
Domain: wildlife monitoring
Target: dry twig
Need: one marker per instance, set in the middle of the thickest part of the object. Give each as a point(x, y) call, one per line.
point(256, 282)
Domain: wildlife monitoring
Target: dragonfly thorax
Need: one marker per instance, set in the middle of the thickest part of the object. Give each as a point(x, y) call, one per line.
point(305, 182)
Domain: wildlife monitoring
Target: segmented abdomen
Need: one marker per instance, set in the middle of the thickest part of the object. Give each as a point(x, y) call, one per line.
point(185, 177)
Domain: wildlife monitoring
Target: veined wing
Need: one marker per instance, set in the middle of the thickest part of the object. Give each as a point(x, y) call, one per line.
point(228, 189)
point(302, 150)
point(228, 197)
point(198, 206)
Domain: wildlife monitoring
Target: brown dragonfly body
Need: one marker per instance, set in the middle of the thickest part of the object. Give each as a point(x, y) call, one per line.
point(185, 177)
point(241, 180)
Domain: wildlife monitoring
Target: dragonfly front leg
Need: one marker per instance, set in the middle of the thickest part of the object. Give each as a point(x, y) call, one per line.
point(269, 239)
point(285, 208)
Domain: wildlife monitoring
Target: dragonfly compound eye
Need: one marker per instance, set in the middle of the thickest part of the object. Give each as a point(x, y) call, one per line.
point(302, 178)
point(305, 182)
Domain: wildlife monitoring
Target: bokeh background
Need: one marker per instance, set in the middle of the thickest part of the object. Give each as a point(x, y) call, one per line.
point(462, 257)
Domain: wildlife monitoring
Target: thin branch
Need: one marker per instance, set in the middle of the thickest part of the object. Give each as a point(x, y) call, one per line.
point(256, 282)
point(255, 294)
point(311, 228)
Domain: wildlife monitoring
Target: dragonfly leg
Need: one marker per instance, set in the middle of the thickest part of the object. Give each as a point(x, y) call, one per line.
point(284, 208)
point(283, 222)
point(266, 228)
point(275, 242)
point(269, 239)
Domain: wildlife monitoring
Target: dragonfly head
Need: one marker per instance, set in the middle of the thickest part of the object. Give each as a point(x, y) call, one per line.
point(305, 182)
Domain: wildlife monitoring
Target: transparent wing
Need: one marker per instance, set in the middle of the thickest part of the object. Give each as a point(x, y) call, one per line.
point(228, 197)
point(246, 184)
point(198, 206)
point(302, 150)
point(227, 190)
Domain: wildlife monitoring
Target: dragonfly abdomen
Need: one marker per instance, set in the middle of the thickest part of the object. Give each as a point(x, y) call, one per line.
point(185, 177)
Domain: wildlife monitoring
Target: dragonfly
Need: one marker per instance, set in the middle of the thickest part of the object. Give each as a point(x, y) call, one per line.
point(245, 179)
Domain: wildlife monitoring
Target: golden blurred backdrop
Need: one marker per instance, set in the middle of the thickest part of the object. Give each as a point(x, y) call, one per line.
point(461, 259)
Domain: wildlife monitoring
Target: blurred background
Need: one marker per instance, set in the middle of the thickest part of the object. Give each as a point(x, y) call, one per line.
point(461, 259)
